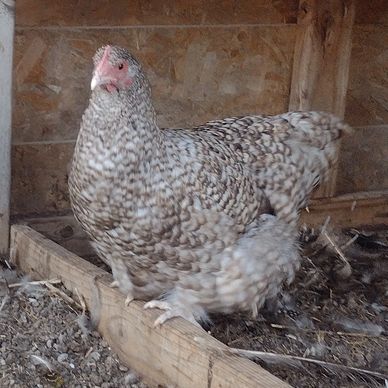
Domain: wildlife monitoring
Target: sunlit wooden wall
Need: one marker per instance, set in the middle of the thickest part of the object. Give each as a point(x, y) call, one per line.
point(205, 60)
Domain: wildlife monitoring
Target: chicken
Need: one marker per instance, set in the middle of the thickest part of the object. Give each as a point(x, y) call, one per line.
point(183, 217)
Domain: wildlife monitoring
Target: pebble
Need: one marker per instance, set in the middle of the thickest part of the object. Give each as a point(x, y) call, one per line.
point(95, 356)
point(49, 332)
point(131, 378)
point(62, 357)
point(123, 368)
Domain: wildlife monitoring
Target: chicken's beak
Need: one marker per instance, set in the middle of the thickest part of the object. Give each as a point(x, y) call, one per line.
point(96, 80)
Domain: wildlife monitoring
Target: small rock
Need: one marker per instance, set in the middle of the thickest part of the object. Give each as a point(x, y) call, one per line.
point(34, 302)
point(131, 378)
point(62, 357)
point(95, 356)
point(123, 368)
point(109, 362)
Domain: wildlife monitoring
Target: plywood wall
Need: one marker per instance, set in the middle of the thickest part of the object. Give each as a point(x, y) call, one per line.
point(205, 59)
point(364, 158)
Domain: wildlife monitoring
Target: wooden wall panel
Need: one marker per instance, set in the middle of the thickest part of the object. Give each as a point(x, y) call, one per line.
point(367, 98)
point(40, 178)
point(363, 162)
point(104, 13)
point(197, 74)
point(372, 12)
point(205, 59)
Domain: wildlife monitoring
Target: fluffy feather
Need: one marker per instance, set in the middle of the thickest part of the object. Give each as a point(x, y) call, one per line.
point(177, 214)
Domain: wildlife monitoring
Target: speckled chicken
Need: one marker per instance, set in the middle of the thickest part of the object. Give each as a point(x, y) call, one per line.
point(183, 216)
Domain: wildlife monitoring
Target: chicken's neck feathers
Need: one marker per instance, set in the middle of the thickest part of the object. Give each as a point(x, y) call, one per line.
point(123, 125)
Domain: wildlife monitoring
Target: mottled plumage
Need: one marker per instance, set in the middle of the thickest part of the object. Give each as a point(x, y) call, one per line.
point(178, 214)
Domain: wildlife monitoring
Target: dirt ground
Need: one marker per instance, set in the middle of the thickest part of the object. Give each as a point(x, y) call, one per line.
point(336, 312)
point(48, 342)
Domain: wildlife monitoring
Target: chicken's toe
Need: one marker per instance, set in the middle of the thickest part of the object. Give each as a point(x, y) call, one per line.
point(172, 311)
point(157, 304)
point(114, 284)
point(129, 299)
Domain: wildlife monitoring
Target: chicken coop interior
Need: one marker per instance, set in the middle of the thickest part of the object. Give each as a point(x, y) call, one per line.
point(205, 60)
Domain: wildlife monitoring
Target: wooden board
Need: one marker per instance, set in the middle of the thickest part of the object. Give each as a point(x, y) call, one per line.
point(6, 55)
point(64, 230)
point(321, 61)
point(176, 354)
point(349, 210)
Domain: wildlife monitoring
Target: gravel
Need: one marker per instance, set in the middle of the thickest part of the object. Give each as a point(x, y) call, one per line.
point(45, 342)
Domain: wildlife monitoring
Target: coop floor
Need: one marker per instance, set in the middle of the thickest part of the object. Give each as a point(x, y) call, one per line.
point(48, 342)
point(328, 313)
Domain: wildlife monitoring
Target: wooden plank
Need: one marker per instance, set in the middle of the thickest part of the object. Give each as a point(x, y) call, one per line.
point(81, 14)
point(350, 210)
point(363, 162)
point(39, 177)
point(321, 61)
point(6, 55)
point(176, 354)
point(197, 68)
point(367, 100)
point(64, 230)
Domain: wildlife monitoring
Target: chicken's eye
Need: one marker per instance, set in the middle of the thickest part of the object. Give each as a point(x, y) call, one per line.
point(121, 66)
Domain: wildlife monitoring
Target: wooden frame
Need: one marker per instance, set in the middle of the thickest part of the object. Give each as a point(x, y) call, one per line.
point(321, 62)
point(6, 54)
point(176, 354)
point(349, 210)
point(179, 353)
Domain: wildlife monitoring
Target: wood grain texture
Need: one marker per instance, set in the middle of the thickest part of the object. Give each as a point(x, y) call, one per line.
point(350, 210)
point(367, 98)
point(363, 163)
point(196, 75)
point(64, 230)
point(6, 54)
point(39, 177)
point(177, 354)
point(39, 13)
point(321, 62)
point(372, 12)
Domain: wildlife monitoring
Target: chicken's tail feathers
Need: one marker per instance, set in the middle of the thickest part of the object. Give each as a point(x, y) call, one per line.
point(316, 128)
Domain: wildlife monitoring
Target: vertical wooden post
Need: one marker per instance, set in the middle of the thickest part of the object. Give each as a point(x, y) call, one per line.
point(321, 61)
point(7, 8)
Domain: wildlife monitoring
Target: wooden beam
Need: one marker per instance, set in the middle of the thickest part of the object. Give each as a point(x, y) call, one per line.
point(321, 62)
point(350, 210)
point(64, 230)
point(6, 53)
point(176, 354)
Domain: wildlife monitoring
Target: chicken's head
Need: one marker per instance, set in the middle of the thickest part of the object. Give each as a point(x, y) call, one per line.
point(115, 69)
